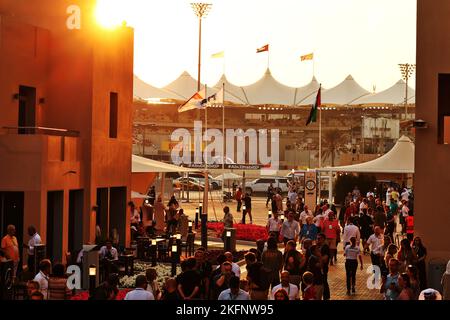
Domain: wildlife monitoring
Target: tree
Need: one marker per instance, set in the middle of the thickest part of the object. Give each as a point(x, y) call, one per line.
point(333, 144)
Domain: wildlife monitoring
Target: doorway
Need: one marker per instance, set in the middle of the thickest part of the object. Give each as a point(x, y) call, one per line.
point(55, 205)
point(76, 202)
point(103, 209)
point(118, 212)
point(11, 212)
point(27, 110)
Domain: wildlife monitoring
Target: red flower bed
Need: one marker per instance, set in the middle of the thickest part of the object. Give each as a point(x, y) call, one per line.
point(249, 232)
point(85, 295)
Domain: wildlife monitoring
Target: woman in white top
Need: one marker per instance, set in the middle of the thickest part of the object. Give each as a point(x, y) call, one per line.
point(352, 253)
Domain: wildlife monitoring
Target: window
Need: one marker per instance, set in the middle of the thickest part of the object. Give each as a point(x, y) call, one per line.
point(444, 109)
point(113, 114)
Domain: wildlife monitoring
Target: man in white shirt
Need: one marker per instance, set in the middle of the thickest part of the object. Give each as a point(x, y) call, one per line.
point(109, 252)
point(274, 225)
point(234, 292)
point(376, 242)
point(305, 214)
point(290, 229)
point(140, 293)
point(234, 266)
point(290, 288)
point(350, 231)
point(45, 267)
point(34, 240)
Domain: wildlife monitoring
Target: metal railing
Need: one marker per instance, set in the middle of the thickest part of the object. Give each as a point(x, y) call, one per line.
point(42, 131)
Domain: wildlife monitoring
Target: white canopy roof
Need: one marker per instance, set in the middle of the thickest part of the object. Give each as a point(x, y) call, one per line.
point(310, 90)
point(142, 165)
point(185, 86)
point(233, 93)
point(343, 94)
point(394, 95)
point(400, 159)
point(145, 91)
point(267, 90)
point(229, 176)
point(137, 195)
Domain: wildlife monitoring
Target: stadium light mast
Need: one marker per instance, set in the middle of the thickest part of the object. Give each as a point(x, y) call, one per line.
point(201, 10)
point(407, 71)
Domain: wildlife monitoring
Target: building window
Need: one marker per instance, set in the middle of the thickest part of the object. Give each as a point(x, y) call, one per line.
point(444, 109)
point(113, 114)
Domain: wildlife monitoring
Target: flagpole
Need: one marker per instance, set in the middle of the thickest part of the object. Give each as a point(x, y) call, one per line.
point(223, 130)
point(320, 133)
point(206, 127)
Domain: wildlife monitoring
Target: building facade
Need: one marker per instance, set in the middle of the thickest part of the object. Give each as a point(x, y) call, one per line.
point(65, 121)
point(432, 177)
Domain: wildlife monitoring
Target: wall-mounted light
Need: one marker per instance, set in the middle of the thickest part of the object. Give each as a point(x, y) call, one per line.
point(420, 124)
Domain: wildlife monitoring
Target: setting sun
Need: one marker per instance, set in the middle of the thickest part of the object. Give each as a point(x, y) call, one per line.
point(109, 13)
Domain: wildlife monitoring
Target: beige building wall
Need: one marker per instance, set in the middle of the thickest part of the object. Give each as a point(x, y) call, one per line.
point(432, 176)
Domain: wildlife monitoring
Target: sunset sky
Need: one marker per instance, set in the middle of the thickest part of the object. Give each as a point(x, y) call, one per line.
point(365, 38)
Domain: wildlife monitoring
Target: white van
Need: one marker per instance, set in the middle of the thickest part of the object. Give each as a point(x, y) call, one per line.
point(262, 184)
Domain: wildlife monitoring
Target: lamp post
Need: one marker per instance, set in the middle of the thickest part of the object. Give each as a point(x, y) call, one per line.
point(174, 259)
point(244, 213)
point(153, 249)
point(407, 71)
point(201, 11)
point(92, 279)
point(204, 230)
point(197, 211)
point(270, 214)
point(228, 241)
point(190, 226)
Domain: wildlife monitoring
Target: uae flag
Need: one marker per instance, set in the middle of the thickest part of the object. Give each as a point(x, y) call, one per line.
point(195, 102)
point(263, 49)
point(313, 114)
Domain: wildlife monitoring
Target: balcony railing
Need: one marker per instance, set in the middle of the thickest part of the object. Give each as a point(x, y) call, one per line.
point(42, 131)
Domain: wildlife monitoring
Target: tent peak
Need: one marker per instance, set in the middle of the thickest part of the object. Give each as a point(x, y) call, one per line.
point(350, 77)
point(404, 139)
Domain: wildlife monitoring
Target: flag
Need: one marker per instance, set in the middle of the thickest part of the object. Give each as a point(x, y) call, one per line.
point(220, 54)
point(263, 49)
point(313, 114)
point(307, 57)
point(195, 102)
point(215, 99)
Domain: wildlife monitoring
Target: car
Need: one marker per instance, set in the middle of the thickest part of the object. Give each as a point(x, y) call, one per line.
point(194, 184)
point(262, 184)
point(213, 183)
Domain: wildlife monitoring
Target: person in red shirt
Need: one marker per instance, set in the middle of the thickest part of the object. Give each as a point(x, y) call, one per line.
point(308, 280)
point(332, 230)
point(10, 247)
point(409, 222)
point(350, 212)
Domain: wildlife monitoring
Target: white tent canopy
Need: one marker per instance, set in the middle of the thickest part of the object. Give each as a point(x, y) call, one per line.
point(138, 195)
point(229, 176)
point(233, 93)
point(343, 94)
point(310, 90)
point(267, 90)
point(400, 159)
point(143, 165)
point(145, 91)
point(394, 95)
point(185, 86)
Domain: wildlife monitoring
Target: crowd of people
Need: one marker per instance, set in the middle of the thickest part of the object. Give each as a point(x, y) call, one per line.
point(293, 264)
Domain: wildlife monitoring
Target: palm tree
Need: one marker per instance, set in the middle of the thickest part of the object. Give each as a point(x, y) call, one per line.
point(333, 144)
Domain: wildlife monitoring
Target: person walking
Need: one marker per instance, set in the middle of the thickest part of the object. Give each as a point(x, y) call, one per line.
point(290, 288)
point(350, 231)
point(332, 232)
point(376, 243)
point(238, 198)
point(421, 253)
point(390, 287)
point(406, 255)
point(352, 253)
point(445, 282)
point(272, 259)
point(274, 226)
point(404, 283)
point(269, 194)
point(309, 230)
point(248, 206)
point(290, 229)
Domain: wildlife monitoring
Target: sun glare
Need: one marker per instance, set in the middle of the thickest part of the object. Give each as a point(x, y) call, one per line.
point(109, 13)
